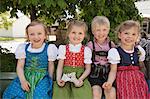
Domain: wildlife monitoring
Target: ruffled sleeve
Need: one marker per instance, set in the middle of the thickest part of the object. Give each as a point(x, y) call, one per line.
point(87, 55)
point(20, 51)
point(142, 53)
point(62, 52)
point(52, 52)
point(90, 45)
point(113, 56)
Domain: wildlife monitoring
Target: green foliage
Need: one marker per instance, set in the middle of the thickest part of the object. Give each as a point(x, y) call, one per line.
point(113, 37)
point(5, 21)
point(52, 10)
point(116, 11)
point(8, 61)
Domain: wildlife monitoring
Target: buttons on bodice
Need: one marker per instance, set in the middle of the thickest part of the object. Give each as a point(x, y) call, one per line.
point(131, 57)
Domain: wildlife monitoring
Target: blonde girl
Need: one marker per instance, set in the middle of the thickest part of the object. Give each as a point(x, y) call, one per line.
point(34, 67)
point(126, 61)
point(74, 65)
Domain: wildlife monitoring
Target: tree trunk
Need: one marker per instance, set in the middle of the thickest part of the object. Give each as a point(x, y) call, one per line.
point(33, 13)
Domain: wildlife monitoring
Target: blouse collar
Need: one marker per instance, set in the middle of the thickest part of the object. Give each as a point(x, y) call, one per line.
point(78, 45)
point(36, 50)
point(129, 51)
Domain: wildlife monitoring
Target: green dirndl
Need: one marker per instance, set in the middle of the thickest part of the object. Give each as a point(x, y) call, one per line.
point(69, 91)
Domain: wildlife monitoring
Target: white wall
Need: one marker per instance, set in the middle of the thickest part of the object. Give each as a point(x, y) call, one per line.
point(143, 7)
point(6, 33)
point(19, 26)
point(17, 29)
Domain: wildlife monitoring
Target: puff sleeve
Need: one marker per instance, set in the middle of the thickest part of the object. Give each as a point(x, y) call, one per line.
point(20, 51)
point(113, 56)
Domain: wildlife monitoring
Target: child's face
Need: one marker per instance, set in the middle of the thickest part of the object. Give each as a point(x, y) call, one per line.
point(36, 35)
point(76, 35)
point(129, 37)
point(100, 32)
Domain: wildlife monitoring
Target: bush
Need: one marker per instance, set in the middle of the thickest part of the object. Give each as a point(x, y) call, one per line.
point(8, 61)
point(113, 37)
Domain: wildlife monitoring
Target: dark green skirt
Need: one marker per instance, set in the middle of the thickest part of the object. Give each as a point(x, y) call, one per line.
point(69, 91)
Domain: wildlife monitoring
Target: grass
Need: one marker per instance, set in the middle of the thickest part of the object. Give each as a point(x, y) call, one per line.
point(6, 38)
point(21, 39)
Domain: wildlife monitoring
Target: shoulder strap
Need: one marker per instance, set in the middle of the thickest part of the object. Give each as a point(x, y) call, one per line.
point(26, 47)
point(110, 46)
point(46, 45)
point(93, 52)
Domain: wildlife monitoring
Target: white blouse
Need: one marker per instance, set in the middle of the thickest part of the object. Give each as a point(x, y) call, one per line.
point(75, 49)
point(52, 51)
point(114, 57)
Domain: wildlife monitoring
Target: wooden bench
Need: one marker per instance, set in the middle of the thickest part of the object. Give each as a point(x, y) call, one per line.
point(5, 79)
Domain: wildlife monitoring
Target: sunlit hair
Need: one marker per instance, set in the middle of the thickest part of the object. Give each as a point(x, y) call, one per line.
point(34, 23)
point(78, 24)
point(100, 20)
point(128, 25)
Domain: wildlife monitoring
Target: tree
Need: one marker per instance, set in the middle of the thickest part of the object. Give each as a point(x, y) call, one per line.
point(5, 21)
point(49, 10)
point(116, 11)
point(52, 10)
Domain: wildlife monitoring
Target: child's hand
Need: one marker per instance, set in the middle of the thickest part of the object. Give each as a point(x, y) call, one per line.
point(25, 85)
point(107, 85)
point(78, 83)
point(60, 83)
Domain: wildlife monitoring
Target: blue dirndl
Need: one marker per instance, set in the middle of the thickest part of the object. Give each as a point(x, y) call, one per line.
point(36, 73)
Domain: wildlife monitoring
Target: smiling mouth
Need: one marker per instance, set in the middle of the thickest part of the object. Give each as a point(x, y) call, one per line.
point(75, 39)
point(129, 41)
point(101, 36)
point(36, 41)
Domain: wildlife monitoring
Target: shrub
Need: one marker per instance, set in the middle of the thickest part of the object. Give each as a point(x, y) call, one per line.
point(8, 61)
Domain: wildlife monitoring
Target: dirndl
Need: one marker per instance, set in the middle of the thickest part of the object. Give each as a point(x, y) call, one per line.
point(69, 91)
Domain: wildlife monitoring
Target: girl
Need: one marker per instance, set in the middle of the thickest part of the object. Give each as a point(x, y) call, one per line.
point(34, 67)
point(74, 65)
point(100, 67)
point(126, 60)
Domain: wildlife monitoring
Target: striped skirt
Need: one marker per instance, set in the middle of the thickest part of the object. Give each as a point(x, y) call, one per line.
point(131, 83)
